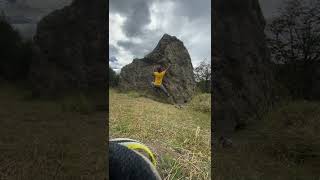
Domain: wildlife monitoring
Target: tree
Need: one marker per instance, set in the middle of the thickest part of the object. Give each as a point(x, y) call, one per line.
point(113, 78)
point(295, 33)
point(203, 76)
point(294, 41)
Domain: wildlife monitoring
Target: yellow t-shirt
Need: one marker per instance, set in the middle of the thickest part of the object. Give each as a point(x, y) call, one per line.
point(158, 78)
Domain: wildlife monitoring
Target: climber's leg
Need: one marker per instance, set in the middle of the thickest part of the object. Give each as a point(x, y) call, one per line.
point(154, 87)
point(164, 90)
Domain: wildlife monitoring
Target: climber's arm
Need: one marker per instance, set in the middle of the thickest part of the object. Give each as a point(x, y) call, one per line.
point(154, 70)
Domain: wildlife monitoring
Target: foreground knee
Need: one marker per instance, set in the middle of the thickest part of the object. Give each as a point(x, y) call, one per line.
point(127, 164)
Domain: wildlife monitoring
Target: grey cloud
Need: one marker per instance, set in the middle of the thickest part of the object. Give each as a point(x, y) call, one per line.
point(136, 21)
point(193, 9)
point(125, 6)
point(114, 63)
point(8, 1)
point(126, 44)
point(4, 3)
point(113, 50)
point(19, 20)
point(29, 12)
point(137, 13)
point(137, 49)
point(270, 7)
point(113, 59)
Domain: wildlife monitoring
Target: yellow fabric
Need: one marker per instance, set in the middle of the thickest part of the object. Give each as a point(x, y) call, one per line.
point(158, 78)
point(137, 146)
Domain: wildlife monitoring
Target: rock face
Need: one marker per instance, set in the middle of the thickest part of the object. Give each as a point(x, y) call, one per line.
point(242, 77)
point(179, 80)
point(70, 51)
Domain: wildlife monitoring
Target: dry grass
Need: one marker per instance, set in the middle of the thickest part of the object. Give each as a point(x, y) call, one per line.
point(284, 145)
point(201, 102)
point(179, 137)
point(42, 139)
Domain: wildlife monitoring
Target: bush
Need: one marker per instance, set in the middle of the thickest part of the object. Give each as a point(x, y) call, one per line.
point(201, 102)
point(204, 86)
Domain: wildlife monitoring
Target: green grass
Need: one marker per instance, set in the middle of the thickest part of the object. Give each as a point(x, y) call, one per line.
point(284, 145)
point(42, 139)
point(179, 137)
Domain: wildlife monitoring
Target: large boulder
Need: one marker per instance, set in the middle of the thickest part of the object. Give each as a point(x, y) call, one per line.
point(70, 49)
point(242, 75)
point(179, 80)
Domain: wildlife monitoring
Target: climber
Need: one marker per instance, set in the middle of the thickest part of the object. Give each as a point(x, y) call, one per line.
point(126, 160)
point(158, 77)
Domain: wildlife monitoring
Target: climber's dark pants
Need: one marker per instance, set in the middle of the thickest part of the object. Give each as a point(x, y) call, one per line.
point(160, 87)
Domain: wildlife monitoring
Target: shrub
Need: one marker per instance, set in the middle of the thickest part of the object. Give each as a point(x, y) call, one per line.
point(201, 102)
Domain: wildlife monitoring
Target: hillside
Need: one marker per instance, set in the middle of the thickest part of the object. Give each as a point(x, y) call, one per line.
point(180, 137)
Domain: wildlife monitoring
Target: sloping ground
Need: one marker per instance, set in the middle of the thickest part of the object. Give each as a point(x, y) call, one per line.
point(285, 145)
point(60, 139)
point(180, 137)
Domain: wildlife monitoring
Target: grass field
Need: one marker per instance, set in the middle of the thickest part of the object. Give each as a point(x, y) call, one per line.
point(284, 145)
point(50, 139)
point(180, 138)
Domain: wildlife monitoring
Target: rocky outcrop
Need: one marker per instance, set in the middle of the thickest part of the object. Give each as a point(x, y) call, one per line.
point(179, 80)
point(242, 77)
point(70, 52)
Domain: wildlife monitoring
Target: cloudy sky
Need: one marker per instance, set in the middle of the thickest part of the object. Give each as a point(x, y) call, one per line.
point(136, 26)
point(25, 14)
point(270, 7)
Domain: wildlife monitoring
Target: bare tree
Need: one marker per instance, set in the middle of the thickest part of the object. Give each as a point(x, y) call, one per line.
point(294, 35)
point(294, 41)
point(203, 75)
